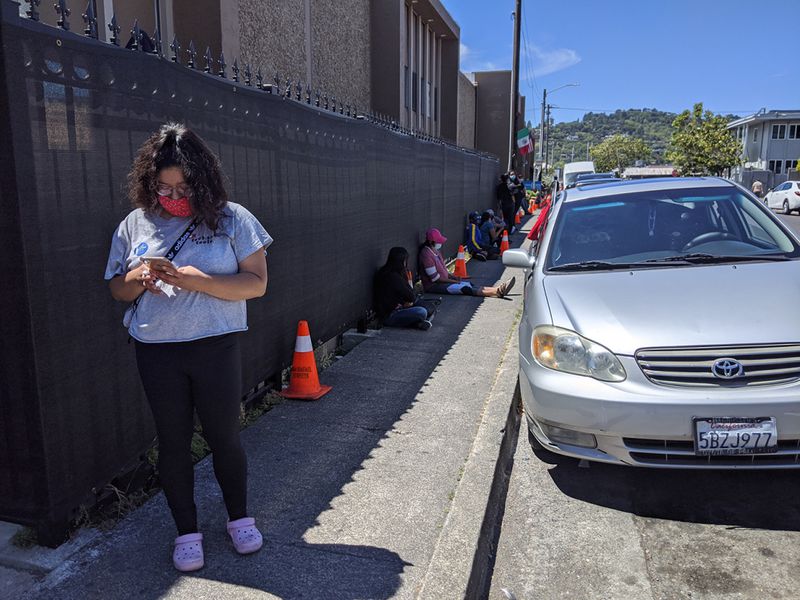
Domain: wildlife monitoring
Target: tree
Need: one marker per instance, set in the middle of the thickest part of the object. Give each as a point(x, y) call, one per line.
point(619, 151)
point(701, 143)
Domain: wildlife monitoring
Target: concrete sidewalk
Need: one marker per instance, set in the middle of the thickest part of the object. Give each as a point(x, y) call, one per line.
point(376, 491)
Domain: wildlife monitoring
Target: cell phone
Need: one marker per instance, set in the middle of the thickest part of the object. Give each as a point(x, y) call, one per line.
point(159, 263)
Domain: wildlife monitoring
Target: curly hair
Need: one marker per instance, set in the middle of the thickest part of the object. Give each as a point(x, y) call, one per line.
point(175, 145)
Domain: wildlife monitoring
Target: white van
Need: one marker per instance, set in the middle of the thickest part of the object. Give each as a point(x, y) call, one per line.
point(573, 169)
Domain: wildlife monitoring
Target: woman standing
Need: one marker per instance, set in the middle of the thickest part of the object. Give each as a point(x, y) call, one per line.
point(188, 259)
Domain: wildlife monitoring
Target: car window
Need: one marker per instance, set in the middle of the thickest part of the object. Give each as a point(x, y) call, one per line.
point(633, 227)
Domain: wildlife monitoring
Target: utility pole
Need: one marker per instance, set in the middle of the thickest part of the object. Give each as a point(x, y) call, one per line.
point(541, 133)
point(547, 124)
point(515, 86)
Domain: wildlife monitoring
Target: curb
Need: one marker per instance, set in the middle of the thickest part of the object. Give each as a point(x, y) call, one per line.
point(462, 562)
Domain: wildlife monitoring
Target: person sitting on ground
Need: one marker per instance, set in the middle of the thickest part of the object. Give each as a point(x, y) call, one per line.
point(479, 245)
point(491, 229)
point(393, 297)
point(437, 280)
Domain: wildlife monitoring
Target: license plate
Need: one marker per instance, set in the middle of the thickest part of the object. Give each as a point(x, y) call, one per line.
point(734, 435)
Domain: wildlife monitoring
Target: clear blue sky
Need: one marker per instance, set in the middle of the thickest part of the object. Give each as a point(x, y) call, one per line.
point(735, 56)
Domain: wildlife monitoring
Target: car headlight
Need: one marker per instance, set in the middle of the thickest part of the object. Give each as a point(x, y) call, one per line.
point(564, 350)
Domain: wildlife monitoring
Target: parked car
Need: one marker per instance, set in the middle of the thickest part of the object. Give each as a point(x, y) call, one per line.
point(573, 169)
point(786, 197)
point(655, 330)
point(595, 179)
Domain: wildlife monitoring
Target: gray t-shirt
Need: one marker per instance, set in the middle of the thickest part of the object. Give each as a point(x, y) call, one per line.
point(187, 315)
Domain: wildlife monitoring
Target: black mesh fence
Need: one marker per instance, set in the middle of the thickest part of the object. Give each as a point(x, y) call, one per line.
point(334, 191)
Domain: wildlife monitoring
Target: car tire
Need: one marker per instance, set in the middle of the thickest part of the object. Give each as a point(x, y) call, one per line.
point(786, 209)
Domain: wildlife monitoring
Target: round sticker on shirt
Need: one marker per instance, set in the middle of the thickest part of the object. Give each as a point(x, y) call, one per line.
point(141, 249)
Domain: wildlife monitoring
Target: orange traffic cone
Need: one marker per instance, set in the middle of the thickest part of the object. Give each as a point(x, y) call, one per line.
point(504, 243)
point(461, 265)
point(517, 218)
point(304, 381)
point(410, 279)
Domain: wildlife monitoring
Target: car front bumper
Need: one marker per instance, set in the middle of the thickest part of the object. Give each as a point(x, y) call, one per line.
point(639, 423)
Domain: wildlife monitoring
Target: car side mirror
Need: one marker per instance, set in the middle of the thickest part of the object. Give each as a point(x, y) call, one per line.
point(518, 258)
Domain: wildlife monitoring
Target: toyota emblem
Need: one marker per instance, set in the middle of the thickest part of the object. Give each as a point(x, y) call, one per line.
point(727, 368)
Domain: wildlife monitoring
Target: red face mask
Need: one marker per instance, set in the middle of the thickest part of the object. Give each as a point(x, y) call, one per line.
point(177, 208)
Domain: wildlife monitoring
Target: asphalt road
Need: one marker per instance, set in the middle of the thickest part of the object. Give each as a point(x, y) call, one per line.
point(793, 221)
point(580, 531)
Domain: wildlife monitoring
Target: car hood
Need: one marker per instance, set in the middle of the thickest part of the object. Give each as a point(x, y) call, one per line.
point(746, 303)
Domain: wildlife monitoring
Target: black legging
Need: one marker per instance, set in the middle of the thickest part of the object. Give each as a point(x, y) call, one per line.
point(179, 378)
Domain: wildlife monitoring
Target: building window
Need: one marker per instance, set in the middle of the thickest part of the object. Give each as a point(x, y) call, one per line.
point(428, 99)
point(794, 132)
point(407, 87)
point(436, 104)
point(414, 90)
point(779, 132)
point(791, 165)
point(775, 166)
point(755, 134)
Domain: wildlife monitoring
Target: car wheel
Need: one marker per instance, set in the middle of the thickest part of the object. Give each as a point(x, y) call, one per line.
point(786, 209)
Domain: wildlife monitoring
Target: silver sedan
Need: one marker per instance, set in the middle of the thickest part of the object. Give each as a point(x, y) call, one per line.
point(658, 329)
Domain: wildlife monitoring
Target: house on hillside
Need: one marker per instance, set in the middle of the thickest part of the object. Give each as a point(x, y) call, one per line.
point(770, 146)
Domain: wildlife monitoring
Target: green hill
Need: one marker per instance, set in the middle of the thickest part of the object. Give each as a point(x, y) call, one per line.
point(653, 126)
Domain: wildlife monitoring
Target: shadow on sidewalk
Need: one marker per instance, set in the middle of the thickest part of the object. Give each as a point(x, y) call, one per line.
point(307, 465)
point(751, 499)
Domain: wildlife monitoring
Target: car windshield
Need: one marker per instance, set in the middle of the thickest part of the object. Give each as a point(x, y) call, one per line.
point(665, 228)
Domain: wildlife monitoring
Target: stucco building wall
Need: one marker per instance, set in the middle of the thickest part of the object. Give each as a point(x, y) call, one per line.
point(466, 112)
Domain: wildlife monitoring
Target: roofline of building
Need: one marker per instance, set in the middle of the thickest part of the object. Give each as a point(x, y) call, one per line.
point(446, 17)
point(772, 115)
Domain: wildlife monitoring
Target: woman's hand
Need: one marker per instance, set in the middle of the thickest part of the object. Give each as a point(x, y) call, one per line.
point(149, 280)
point(186, 278)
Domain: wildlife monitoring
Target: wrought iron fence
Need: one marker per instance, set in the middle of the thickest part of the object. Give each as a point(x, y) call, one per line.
point(335, 185)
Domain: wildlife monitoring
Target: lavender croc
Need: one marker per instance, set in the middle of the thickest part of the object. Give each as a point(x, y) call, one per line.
point(188, 553)
point(245, 535)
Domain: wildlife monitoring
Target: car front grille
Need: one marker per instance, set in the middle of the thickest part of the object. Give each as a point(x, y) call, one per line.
point(681, 453)
point(763, 365)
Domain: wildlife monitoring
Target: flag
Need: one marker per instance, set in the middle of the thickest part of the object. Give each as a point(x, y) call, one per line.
point(524, 142)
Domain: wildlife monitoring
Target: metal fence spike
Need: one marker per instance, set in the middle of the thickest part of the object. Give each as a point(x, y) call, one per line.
point(308, 94)
point(325, 98)
point(191, 52)
point(235, 69)
point(176, 49)
point(247, 74)
point(288, 89)
point(157, 49)
point(222, 65)
point(33, 10)
point(137, 35)
point(317, 96)
point(90, 18)
point(277, 79)
point(355, 111)
point(209, 60)
point(114, 29)
point(259, 79)
point(333, 103)
point(299, 89)
point(63, 12)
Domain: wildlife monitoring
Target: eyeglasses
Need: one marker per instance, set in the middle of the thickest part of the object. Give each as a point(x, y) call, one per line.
point(166, 190)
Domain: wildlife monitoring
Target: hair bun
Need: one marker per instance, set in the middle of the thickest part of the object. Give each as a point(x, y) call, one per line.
point(171, 132)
